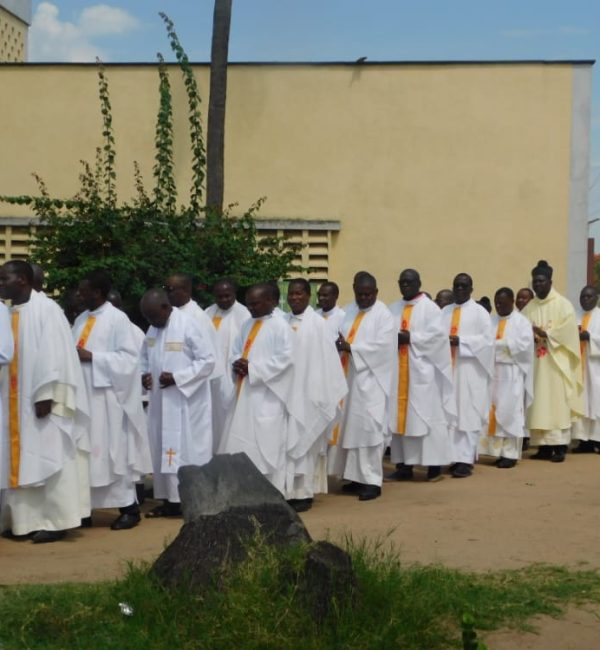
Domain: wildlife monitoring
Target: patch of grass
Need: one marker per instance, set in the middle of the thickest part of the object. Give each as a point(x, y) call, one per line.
point(396, 606)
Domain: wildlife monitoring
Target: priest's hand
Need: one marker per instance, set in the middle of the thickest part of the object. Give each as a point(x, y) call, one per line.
point(43, 408)
point(539, 332)
point(147, 381)
point(454, 341)
point(403, 337)
point(166, 379)
point(240, 367)
point(584, 336)
point(84, 355)
point(342, 345)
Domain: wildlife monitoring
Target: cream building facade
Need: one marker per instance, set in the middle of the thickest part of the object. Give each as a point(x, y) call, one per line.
point(444, 167)
point(15, 18)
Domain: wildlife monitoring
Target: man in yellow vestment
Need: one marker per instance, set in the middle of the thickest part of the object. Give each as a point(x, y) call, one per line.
point(558, 388)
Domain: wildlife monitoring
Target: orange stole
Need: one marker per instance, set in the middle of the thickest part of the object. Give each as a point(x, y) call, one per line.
point(252, 334)
point(492, 423)
point(585, 323)
point(13, 406)
point(403, 379)
point(454, 326)
point(85, 332)
point(216, 320)
point(346, 366)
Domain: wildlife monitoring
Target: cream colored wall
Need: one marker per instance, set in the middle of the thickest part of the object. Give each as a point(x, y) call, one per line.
point(13, 38)
point(444, 168)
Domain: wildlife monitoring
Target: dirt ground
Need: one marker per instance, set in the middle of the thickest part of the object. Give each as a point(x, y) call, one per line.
point(537, 512)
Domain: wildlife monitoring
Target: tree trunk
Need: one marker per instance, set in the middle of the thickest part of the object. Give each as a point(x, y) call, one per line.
point(215, 138)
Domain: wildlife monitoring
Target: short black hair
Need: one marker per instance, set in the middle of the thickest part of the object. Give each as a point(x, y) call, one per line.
point(305, 284)
point(275, 291)
point(99, 280)
point(505, 291)
point(364, 277)
point(222, 282)
point(332, 285)
point(22, 269)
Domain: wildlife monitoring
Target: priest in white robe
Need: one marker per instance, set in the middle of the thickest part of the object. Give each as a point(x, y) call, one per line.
point(44, 456)
point(179, 290)
point(227, 316)
point(368, 343)
point(327, 297)
point(318, 386)
point(422, 404)
point(469, 328)
point(177, 362)
point(587, 428)
point(512, 385)
point(261, 363)
point(110, 361)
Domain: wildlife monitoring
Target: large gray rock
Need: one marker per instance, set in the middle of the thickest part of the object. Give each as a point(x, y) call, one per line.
point(207, 547)
point(226, 505)
point(227, 481)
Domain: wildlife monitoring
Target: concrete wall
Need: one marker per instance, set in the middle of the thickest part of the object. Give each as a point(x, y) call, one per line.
point(479, 168)
point(13, 35)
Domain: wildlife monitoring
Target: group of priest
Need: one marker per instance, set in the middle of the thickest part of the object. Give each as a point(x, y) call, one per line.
point(89, 410)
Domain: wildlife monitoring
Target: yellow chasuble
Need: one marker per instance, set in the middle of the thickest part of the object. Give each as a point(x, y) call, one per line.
point(557, 374)
point(255, 329)
point(499, 336)
point(403, 373)
point(13, 406)
point(346, 366)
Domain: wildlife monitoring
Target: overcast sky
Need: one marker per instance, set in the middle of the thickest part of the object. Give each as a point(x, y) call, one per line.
point(332, 30)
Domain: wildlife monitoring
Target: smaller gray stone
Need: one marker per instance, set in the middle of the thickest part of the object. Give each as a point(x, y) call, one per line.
point(328, 577)
point(227, 481)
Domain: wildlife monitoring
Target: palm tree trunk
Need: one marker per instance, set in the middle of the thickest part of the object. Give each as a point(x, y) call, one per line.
point(215, 138)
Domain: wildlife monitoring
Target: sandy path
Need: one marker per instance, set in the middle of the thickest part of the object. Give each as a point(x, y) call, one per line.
point(537, 512)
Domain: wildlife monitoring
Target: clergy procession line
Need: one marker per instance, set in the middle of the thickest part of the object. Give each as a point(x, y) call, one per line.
point(305, 395)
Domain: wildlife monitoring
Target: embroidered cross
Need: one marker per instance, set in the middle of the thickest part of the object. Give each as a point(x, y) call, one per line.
point(170, 453)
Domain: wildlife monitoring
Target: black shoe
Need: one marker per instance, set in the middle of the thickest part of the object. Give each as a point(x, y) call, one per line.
point(352, 488)
point(402, 473)
point(544, 453)
point(525, 444)
point(462, 470)
point(505, 463)
point(47, 536)
point(86, 522)
point(369, 492)
point(559, 454)
point(126, 521)
point(585, 447)
point(301, 505)
point(434, 473)
point(165, 509)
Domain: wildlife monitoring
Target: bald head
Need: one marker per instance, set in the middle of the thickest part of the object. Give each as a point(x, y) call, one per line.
point(444, 297)
point(179, 289)
point(409, 283)
point(155, 307)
